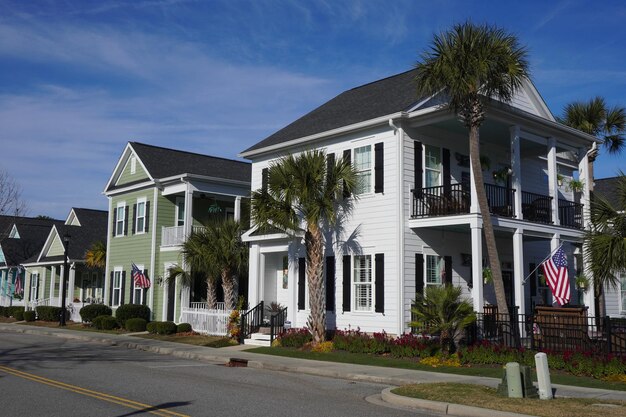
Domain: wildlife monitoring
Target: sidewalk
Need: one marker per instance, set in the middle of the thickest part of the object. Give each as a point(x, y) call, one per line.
point(376, 374)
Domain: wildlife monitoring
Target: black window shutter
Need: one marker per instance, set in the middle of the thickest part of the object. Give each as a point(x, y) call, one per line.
point(264, 178)
point(379, 283)
point(447, 179)
point(301, 282)
point(330, 283)
point(126, 221)
point(111, 289)
point(132, 290)
point(417, 166)
point(114, 228)
point(37, 288)
point(123, 287)
point(347, 157)
point(379, 168)
point(330, 163)
point(134, 229)
point(147, 221)
point(145, 290)
point(346, 283)
point(448, 268)
point(419, 273)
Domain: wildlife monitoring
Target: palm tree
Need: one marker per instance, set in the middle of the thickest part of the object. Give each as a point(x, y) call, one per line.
point(96, 255)
point(441, 310)
point(471, 64)
point(305, 194)
point(606, 242)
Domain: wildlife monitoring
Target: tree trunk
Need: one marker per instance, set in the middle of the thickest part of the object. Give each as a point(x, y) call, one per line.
point(317, 297)
point(228, 284)
point(490, 238)
point(211, 298)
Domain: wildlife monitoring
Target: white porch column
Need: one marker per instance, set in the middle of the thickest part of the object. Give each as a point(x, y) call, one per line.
point(553, 185)
point(254, 276)
point(188, 210)
point(237, 208)
point(60, 286)
point(53, 270)
point(70, 286)
point(477, 265)
point(518, 270)
point(474, 207)
point(516, 167)
point(584, 175)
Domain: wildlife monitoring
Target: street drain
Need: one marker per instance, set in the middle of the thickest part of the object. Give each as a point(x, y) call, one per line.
point(237, 363)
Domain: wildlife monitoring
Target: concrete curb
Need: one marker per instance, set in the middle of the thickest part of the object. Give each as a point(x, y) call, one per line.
point(444, 408)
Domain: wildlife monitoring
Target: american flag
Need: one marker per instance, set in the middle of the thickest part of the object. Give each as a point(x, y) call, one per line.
point(555, 270)
point(18, 284)
point(141, 281)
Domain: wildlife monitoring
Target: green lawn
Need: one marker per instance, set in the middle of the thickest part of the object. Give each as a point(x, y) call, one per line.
point(375, 360)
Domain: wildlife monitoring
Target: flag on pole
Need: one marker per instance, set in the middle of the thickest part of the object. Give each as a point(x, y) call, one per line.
point(139, 277)
point(18, 284)
point(555, 270)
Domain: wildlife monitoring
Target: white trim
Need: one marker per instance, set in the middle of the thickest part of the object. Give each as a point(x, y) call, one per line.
point(141, 267)
point(370, 187)
point(117, 269)
point(120, 204)
point(124, 157)
point(133, 164)
point(372, 283)
point(141, 200)
point(152, 289)
point(71, 217)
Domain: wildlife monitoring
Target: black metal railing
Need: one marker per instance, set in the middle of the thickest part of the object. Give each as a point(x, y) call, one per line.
point(251, 321)
point(571, 214)
point(537, 207)
point(277, 324)
point(440, 201)
point(501, 200)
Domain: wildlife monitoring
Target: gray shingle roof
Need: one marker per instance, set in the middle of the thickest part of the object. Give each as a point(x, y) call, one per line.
point(607, 188)
point(93, 228)
point(33, 233)
point(379, 98)
point(164, 162)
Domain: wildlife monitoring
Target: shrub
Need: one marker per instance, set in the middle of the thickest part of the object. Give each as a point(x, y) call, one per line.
point(105, 323)
point(91, 311)
point(29, 315)
point(4, 312)
point(354, 341)
point(135, 325)
point(295, 338)
point(49, 313)
point(183, 328)
point(19, 314)
point(152, 327)
point(132, 311)
point(323, 347)
point(234, 328)
point(166, 327)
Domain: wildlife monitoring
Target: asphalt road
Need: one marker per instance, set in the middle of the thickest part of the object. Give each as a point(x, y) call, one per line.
point(48, 376)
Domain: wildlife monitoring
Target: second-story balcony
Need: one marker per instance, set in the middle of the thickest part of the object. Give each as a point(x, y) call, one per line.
point(456, 199)
point(175, 235)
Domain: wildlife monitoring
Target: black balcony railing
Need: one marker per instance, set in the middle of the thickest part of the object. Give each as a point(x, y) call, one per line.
point(537, 207)
point(440, 201)
point(571, 214)
point(500, 200)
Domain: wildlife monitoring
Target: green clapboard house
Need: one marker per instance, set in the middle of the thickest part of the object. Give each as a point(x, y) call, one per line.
point(157, 197)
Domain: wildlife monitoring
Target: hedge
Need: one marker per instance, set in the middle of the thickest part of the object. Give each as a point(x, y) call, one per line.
point(183, 328)
point(91, 311)
point(14, 311)
point(49, 313)
point(19, 314)
point(132, 311)
point(166, 327)
point(152, 327)
point(29, 315)
point(135, 325)
point(105, 323)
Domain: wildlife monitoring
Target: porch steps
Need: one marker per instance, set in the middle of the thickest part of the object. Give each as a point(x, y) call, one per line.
point(258, 339)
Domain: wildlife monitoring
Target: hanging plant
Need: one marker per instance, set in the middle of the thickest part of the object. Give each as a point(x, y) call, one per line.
point(582, 282)
point(501, 175)
point(487, 276)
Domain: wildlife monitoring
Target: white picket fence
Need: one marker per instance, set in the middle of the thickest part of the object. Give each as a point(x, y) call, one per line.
point(210, 322)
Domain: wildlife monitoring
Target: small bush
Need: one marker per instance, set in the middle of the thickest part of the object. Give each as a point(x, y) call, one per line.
point(295, 338)
point(49, 313)
point(29, 315)
point(135, 325)
point(152, 327)
point(15, 312)
point(19, 314)
point(323, 347)
point(91, 311)
point(4, 312)
point(166, 327)
point(132, 311)
point(183, 328)
point(105, 323)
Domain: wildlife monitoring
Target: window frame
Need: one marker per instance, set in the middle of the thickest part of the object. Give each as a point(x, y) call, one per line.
point(135, 289)
point(440, 265)
point(120, 208)
point(622, 292)
point(140, 201)
point(117, 274)
point(355, 285)
point(34, 286)
point(428, 169)
point(133, 164)
point(177, 211)
point(369, 171)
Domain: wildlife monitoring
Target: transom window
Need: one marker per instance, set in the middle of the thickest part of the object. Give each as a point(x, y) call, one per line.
point(117, 287)
point(120, 220)
point(362, 281)
point(363, 168)
point(434, 269)
point(140, 216)
point(432, 165)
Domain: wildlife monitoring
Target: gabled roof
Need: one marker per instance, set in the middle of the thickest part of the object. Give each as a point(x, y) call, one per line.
point(162, 163)
point(33, 233)
point(606, 188)
point(385, 97)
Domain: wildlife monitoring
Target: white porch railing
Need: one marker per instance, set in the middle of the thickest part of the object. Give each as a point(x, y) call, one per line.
point(210, 322)
point(203, 306)
point(176, 235)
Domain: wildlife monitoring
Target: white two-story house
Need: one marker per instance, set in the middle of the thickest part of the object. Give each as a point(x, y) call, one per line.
point(416, 220)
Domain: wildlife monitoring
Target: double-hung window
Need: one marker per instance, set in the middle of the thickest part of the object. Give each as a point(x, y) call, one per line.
point(363, 281)
point(120, 219)
point(117, 287)
point(180, 211)
point(140, 216)
point(432, 166)
point(34, 286)
point(434, 269)
point(138, 292)
point(363, 167)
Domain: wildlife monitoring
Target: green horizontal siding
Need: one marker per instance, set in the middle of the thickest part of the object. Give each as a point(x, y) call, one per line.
point(126, 177)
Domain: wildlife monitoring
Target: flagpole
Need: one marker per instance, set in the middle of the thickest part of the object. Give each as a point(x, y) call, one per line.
point(541, 263)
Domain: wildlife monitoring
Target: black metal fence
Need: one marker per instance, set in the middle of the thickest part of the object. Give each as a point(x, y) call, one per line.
point(536, 207)
point(440, 201)
point(251, 321)
point(500, 200)
point(277, 324)
point(571, 214)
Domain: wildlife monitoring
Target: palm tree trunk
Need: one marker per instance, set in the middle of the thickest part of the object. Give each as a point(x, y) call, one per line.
point(211, 298)
point(490, 238)
point(317, 302)
point(228, 284)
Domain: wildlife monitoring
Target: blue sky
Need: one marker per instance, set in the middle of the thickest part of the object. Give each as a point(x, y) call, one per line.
point(81, 78)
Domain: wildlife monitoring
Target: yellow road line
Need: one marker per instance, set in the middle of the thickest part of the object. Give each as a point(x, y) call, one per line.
point(94, 394)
